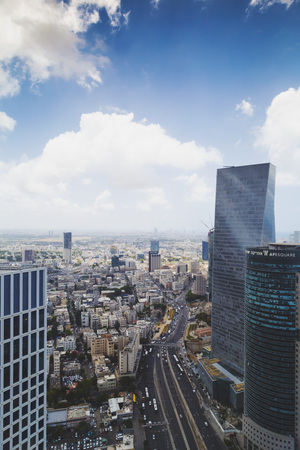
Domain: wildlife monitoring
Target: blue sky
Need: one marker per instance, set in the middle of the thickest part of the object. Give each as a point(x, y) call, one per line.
point(115, 115)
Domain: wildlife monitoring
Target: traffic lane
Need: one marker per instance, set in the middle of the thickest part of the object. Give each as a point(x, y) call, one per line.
point(170, 413)
point(210, 437)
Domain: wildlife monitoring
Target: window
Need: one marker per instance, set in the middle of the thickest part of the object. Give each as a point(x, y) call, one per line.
point(6, 421)
point(24, 410)
point(6, 295)
point(17, 326)
point(33, 320)
point(33, 417)
point(15, 428)
point(41, 361)
point(25, 291)
point(25, 345)
point(16, 415)
point(16, 369)
point(6, 382)
point(16, 349)
point(33, 289)
point(41, 318)
point(24, 422)
point(25, 368)
point(25, 323)
point(16, 292)
point(41, 339)
point(6, 408)
point(41, 288)
point(33, 342)
point(33, 393)
point(7, 353)
point(7, 329)
point(16, 403)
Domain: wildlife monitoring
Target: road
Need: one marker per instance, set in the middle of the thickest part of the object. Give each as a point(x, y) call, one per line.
point(180, 422)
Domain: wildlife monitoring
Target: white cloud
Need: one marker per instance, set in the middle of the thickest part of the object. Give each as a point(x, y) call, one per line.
point(280, 136)
point(6, 123)
point(44, 38)
point(263, 4)
point(245, 107)
point(91, 171)
point(102, 202)
point(200, 191)
point(154, 197)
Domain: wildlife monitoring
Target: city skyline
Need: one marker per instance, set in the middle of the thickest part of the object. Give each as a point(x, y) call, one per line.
point(116, 114)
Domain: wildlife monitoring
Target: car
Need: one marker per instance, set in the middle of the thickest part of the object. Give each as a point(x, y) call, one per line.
point(180, 415)
point(153, 436)
point(150, 403)
point(150, 424)
point(206, 424)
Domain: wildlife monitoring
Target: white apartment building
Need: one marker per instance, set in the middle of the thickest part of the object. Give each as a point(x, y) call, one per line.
point(85, 319)
point(127, 356)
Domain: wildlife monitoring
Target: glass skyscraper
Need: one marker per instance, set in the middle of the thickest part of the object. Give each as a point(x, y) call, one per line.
point(67, 251)
point(244, 217)
point(154, 245)
point(271, 416)
point(23, 296)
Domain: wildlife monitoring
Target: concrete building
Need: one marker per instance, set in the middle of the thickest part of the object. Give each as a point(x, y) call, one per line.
point(272, 348)
point(23, 298)
point(102, 346)
point(244, 216)
point(128, 355)
point(194, 266)
point(67, 250)
point(199, 284)
point(154, 261)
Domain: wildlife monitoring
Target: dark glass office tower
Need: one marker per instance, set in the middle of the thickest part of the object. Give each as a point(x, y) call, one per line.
point(67, 251)
point(244, 217)
point(154, 245)
point(23, 374)
point(271, 346)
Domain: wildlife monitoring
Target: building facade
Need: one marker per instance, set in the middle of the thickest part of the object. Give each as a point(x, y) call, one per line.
point(67, 250)
point(244, 217)
point(272, 280)
point(154, 261)
point(154, 245)
point(23, 298)
point(199, 284)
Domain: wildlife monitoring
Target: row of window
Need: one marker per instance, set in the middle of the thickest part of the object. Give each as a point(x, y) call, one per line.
point(22, 369)
point(22, 291)
point(23, 323)
point(30, 344)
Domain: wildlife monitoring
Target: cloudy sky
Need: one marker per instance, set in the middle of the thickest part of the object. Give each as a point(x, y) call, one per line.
point(116, 114)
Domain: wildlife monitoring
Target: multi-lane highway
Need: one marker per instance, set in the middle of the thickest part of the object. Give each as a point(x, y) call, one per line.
point(178, 421)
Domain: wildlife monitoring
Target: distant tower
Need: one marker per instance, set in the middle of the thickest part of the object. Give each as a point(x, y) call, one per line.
point(67, 252)
point(244, 217)
point(272, 347)
point(27, 255)
point(154, 261)
point(205, 250)
point(154, 245)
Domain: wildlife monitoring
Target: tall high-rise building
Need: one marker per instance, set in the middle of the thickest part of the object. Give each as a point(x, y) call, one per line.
point(205, 250)
point(23, 298)
point(154, 261)
point(244, 217)
point(272, 348)
point(67, 251)
point(154, 245)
